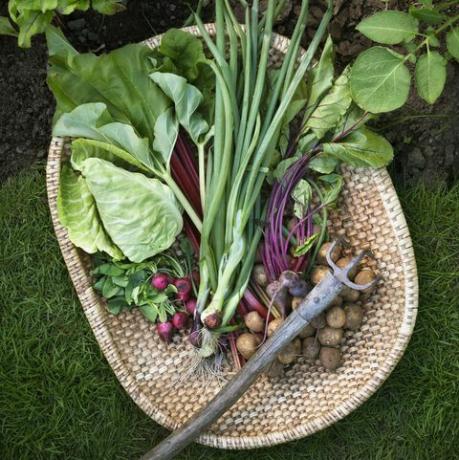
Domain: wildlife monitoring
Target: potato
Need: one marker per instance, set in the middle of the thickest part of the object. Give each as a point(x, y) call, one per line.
point(344, 262)
point(365, 276)
point(273, 325)
point(259, 275)
point(322, 254)
point(296, 302)
point(247, 344)
point(349, 294)
point(254, 321)
point(275, 369)
point(330, 336)
point(330, 358)
point(308, 331)
point(336, 317)
point(337, 301)
point(319, 321)
point(318, 273)
point(290, 352)
point(354, 316)
point(311, 348)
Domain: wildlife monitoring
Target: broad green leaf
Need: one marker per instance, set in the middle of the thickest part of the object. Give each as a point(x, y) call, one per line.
point(389, 27)
point(109, 269)
point(361, 148)
point(301, 196)
point(331, 185)
point(116, 305)
point(331, 107)
point(6, 28)
point(428, 15)
point(30, 23)
point(352, 120)
point(323, 163)
point(118, 79)
point(140, 214)
point(283, 166)
point(185, 51)
point(150, 312)
point(59, 49)
point(108, 7)
point(110, 289)
point(321, 75)
point(93, 121)
point(432, 40)
point(82, 149)
point(78, 214)
point(69, 6)
point(379, 80)
point(452, 42)
point(166, 133)
point(307, 142)
point(305, 247)
point(186, 100)
point(430, 76)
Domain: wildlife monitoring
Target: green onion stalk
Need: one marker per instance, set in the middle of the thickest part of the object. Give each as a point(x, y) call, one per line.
point(248, 119)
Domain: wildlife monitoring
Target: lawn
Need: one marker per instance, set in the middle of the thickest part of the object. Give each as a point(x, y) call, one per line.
point(60, 400)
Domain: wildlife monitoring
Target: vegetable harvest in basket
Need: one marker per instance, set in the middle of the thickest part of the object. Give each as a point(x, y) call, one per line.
point(200, 174)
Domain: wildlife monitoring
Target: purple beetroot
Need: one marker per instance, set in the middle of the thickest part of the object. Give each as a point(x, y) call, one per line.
point(190, 306)
point(180, 320)
point(160, 281)
point(184, 288)
point(164, 330)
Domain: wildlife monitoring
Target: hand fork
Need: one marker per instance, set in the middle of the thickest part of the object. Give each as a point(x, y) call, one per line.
point(312, 305)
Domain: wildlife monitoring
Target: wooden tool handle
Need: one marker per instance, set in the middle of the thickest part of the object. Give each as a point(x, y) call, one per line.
point(314, 304)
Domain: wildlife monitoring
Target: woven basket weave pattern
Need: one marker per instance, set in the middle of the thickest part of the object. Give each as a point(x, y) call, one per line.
point(306, 398)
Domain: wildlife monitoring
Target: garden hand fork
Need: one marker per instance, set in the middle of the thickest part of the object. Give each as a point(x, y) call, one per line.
point(312, 305)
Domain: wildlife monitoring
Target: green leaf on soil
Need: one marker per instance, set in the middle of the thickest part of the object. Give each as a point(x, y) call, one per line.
point(430, 76)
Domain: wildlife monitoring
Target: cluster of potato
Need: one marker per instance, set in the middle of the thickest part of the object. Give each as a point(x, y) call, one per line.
point(321, 339)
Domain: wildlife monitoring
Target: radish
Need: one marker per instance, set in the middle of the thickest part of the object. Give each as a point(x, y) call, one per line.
point(180, 320)
point(164, 330)
point(184, 288)
point(190, 306)
point(160, 281)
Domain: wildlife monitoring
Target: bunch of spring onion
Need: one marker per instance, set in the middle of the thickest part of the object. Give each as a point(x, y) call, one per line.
point(247, 123)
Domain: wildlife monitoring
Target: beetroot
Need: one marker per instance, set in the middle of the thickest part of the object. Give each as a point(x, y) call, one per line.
point(184, 288)
point(160, 281)
point(190, 306)
point(164, 330)
point(180, 320)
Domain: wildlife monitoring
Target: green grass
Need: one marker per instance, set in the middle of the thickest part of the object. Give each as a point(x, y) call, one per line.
point(60, 400)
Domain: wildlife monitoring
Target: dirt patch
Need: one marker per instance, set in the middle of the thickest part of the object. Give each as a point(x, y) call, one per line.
point(425, 138)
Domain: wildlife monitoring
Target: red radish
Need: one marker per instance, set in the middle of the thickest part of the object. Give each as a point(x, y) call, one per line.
point(164, 330)
point(160, 281)
point(180, 320)
point(184, 289)
point(190, 306)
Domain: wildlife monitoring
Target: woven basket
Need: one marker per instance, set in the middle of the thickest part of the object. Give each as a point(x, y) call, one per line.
point(306, 398)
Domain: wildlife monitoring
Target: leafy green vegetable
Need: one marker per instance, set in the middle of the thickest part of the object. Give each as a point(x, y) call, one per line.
point(305, 247)
point(389, 27)
point(6, 28)
point(361, 148)
point(332, 107)
point(331, 185)
point(380, 81)
point(301, 196)
point(324, 164)
point(452, 42)
point(140, 214)
point(78, 214)
point(430, 76)
point(118, 79)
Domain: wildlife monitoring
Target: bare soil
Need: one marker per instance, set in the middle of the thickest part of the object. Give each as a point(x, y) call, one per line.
point(425, 138)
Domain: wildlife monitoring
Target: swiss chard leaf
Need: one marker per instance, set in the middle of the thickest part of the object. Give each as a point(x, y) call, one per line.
point(361, 148)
